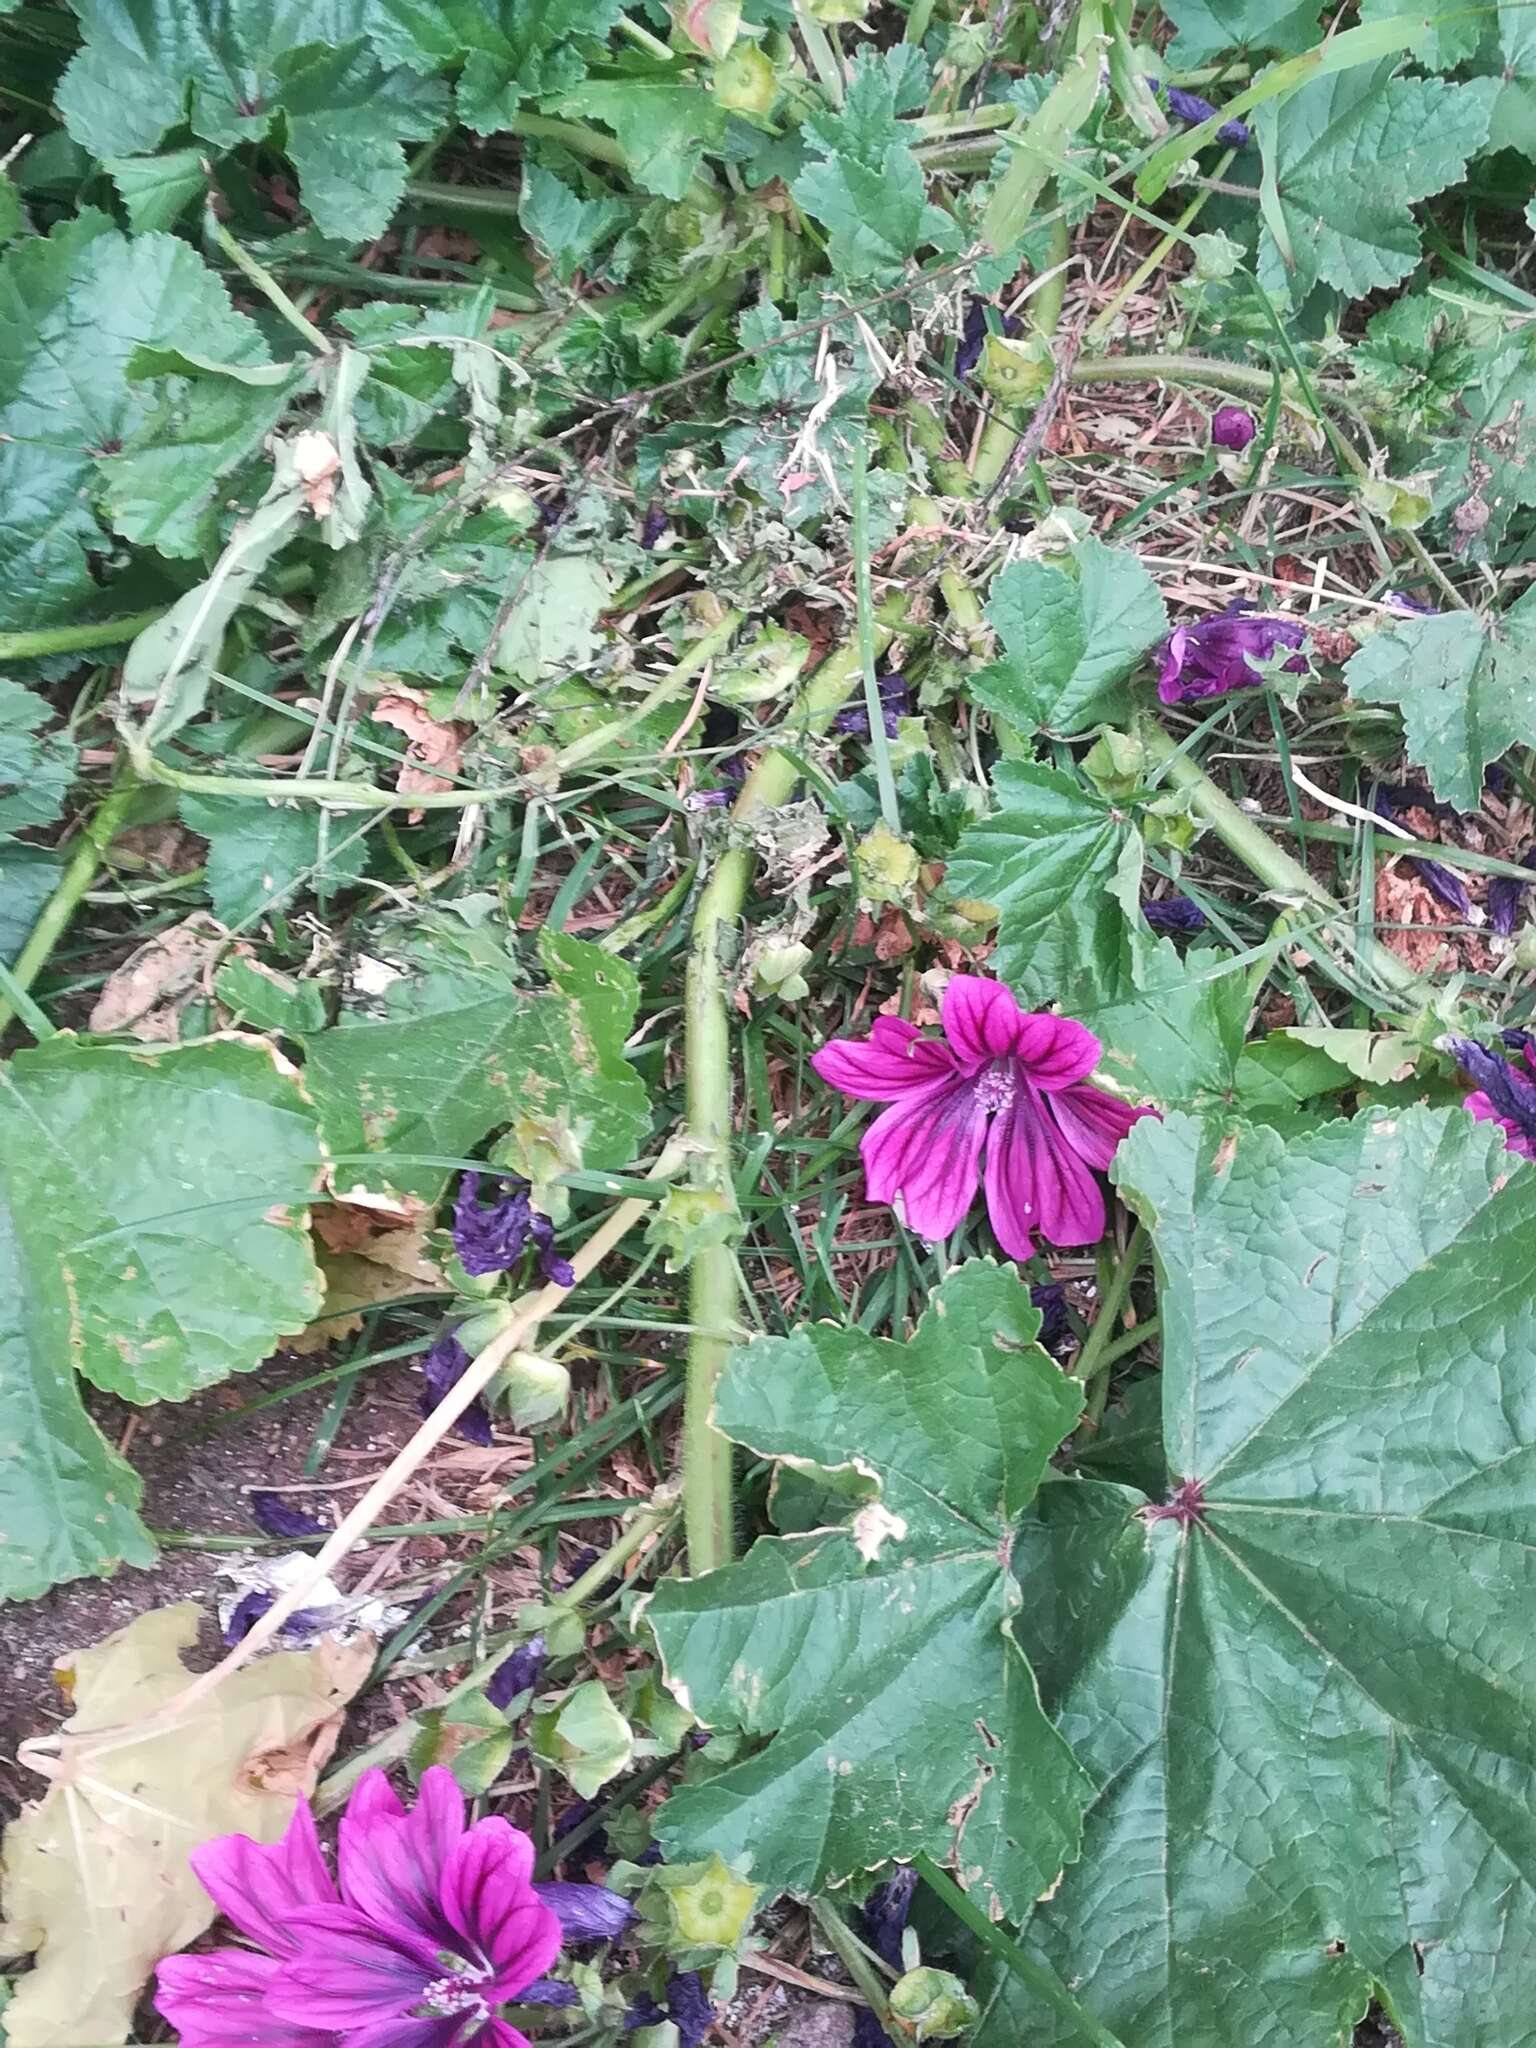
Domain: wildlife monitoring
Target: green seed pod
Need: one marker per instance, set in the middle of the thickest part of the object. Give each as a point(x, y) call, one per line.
point(1018, 371)
point(713, 1907)
point(745, 82)
point(931, 2005)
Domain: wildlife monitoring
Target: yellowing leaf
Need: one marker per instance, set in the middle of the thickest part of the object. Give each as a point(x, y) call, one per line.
point(96, 1881)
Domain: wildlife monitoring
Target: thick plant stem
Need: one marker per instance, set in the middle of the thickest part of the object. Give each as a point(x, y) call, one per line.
point(708, 1514)
point(44, 641)
point(1096, 1345)
point(1207, 370)
point(1000, 436)
point(1272, 865)
point(90, 850)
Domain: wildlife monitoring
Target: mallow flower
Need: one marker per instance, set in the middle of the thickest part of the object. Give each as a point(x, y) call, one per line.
point(434, 1926)
point(1505, 1093)
point(1002, 1082)
point(491, 1238)
point(1217, 654)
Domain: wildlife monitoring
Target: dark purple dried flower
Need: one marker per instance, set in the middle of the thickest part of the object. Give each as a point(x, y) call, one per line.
point(1050, 1297)
point(688, 2007)
point(1504, 894)
point(973, 334)
point(443, 1367)
point(653, 526)
point(520, 1673)
point(645, 2012)
point(1496, 779)
point(492, 1240)
point(548, 1990)
point(1400, 601)
point(249, 1609)
point(1442, 882)
point(1503, 1095)
point(592, 1848)
point(275, 1516)
point(1232, 427)
point(895, 702)
point(709, 799)
point(553, 510)
point(1392, 797)
point(884, 1915)
point(1190, 108)
point(1439, 880)
point(1216, 654)
point(586, 1912)
point(1173, 914)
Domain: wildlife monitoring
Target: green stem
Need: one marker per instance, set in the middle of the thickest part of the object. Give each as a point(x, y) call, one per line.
point(879, 744)
point(267, 285)
point(1041, 1982)
point(1143, 1333)
point(1000, 436)
point(90, 850)
point(1273, 866)
point(1100, 325)
point(1091, 1358)
point(712, 1279)
point(862, 1966)
point(667, 687)
point(1219, 376)
point(43, 641)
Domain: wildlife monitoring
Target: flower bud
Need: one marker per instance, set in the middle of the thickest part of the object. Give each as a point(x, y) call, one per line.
point(533, 1389)
point(931, 2005)
point(708, 1905)
point(1017, 371)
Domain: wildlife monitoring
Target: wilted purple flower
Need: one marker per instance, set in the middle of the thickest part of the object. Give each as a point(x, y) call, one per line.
point(492, 1239)
point(1400, 601)
point(1447, 886)
point(1173, 914)
point(1438, 879)
point(520, 1673)
point(645, 2012)
point(249, 1609)
point(709, 799)
point(1504, 894)
point(1012, 1081)
point(654, 525)
point(1190, 108)
point(1050, 1297)
point(1216, 654)
point(883, 1919)
point(275, 1516)
point(973, 333)
point(434, 1925)
point(594, 1846)
point(443, 1367)
point(1232, 427)
point(895, 702)
point(1504, 1095)
point(688, 2007)
point(587, 1912)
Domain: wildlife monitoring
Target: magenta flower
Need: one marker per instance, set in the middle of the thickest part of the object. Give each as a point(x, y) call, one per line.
point(1232, 427)
point(1216, 654)
point(1008, 1081)
point(434, 1926)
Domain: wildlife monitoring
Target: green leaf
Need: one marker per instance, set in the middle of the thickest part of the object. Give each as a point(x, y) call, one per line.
point(1209, 28)
point(260, 855)
point(462, 1049)
point(511, 50)
point(1450, 37)
point(157, 190)
point(35, 770)
point(875, 1658)
point(1309, 1711)
point(552, 626)
point(264, 1000)
point(568, 228)
point(28, 877)
point(1174, 1036)
point(235, 71)
point(868, 189)
point(663, 128)
point(74, 308)
point(1062, 867)
point(1070, 640)
point(1345, 159)
point(1466, 685)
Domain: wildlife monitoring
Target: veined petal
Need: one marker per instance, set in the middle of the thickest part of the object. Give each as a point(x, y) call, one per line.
point(1055, 1051)
point(1036, 1182)
point(257, 1885)
point(1093, 1122)
point(890, 1063)
point(927, 1150)
point(220, 2000)
point(489, 1901)
point(981, 1019)
point(447, 2032)
point(347, 1971)
point(392, 1867)
point(374, 1798)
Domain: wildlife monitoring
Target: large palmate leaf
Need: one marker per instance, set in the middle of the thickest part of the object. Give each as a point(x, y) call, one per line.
point(1071, 637)
point(74, 309)
point(232, 70)
point(663, 125)
point(875, 1657)
point(1206, 28)
point(152, 1209)
point(1466, 686)
point(1345, 158)
point(36, 768)
point(1307, 1697)
point(510, 50)
point(464, 1049)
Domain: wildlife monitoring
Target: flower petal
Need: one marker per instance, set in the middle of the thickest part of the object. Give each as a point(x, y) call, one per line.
point(1037, 1182)
point(981, 1019)
point(392, 1867)
point(1055, 1051)
point(220, 2000)
point(927, 1150)
point(347, 1971)
point(489, 1901)
point(586, 1912)
point(1093, 1122)
point(257, 1885)
point(887, 1065)
point(447, 2032)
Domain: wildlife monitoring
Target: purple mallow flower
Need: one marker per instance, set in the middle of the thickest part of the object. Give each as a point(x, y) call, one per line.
point(434, 1925)
point(491, 1239)
point(587, 1912)
point(653, 526)
point(1440, 880)
point(1232, 427)
point(519, 1674)
point(1008, 1081)
point(1173, 914)
point(275, 1516)
point(1190, 108)
point(883, 1920)
point(443, 1367)
point(1504, 894)
point(1217, 654)
point(895, 702)
point(251, 1606)
point(1505, 1093)
point(688, 2007)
